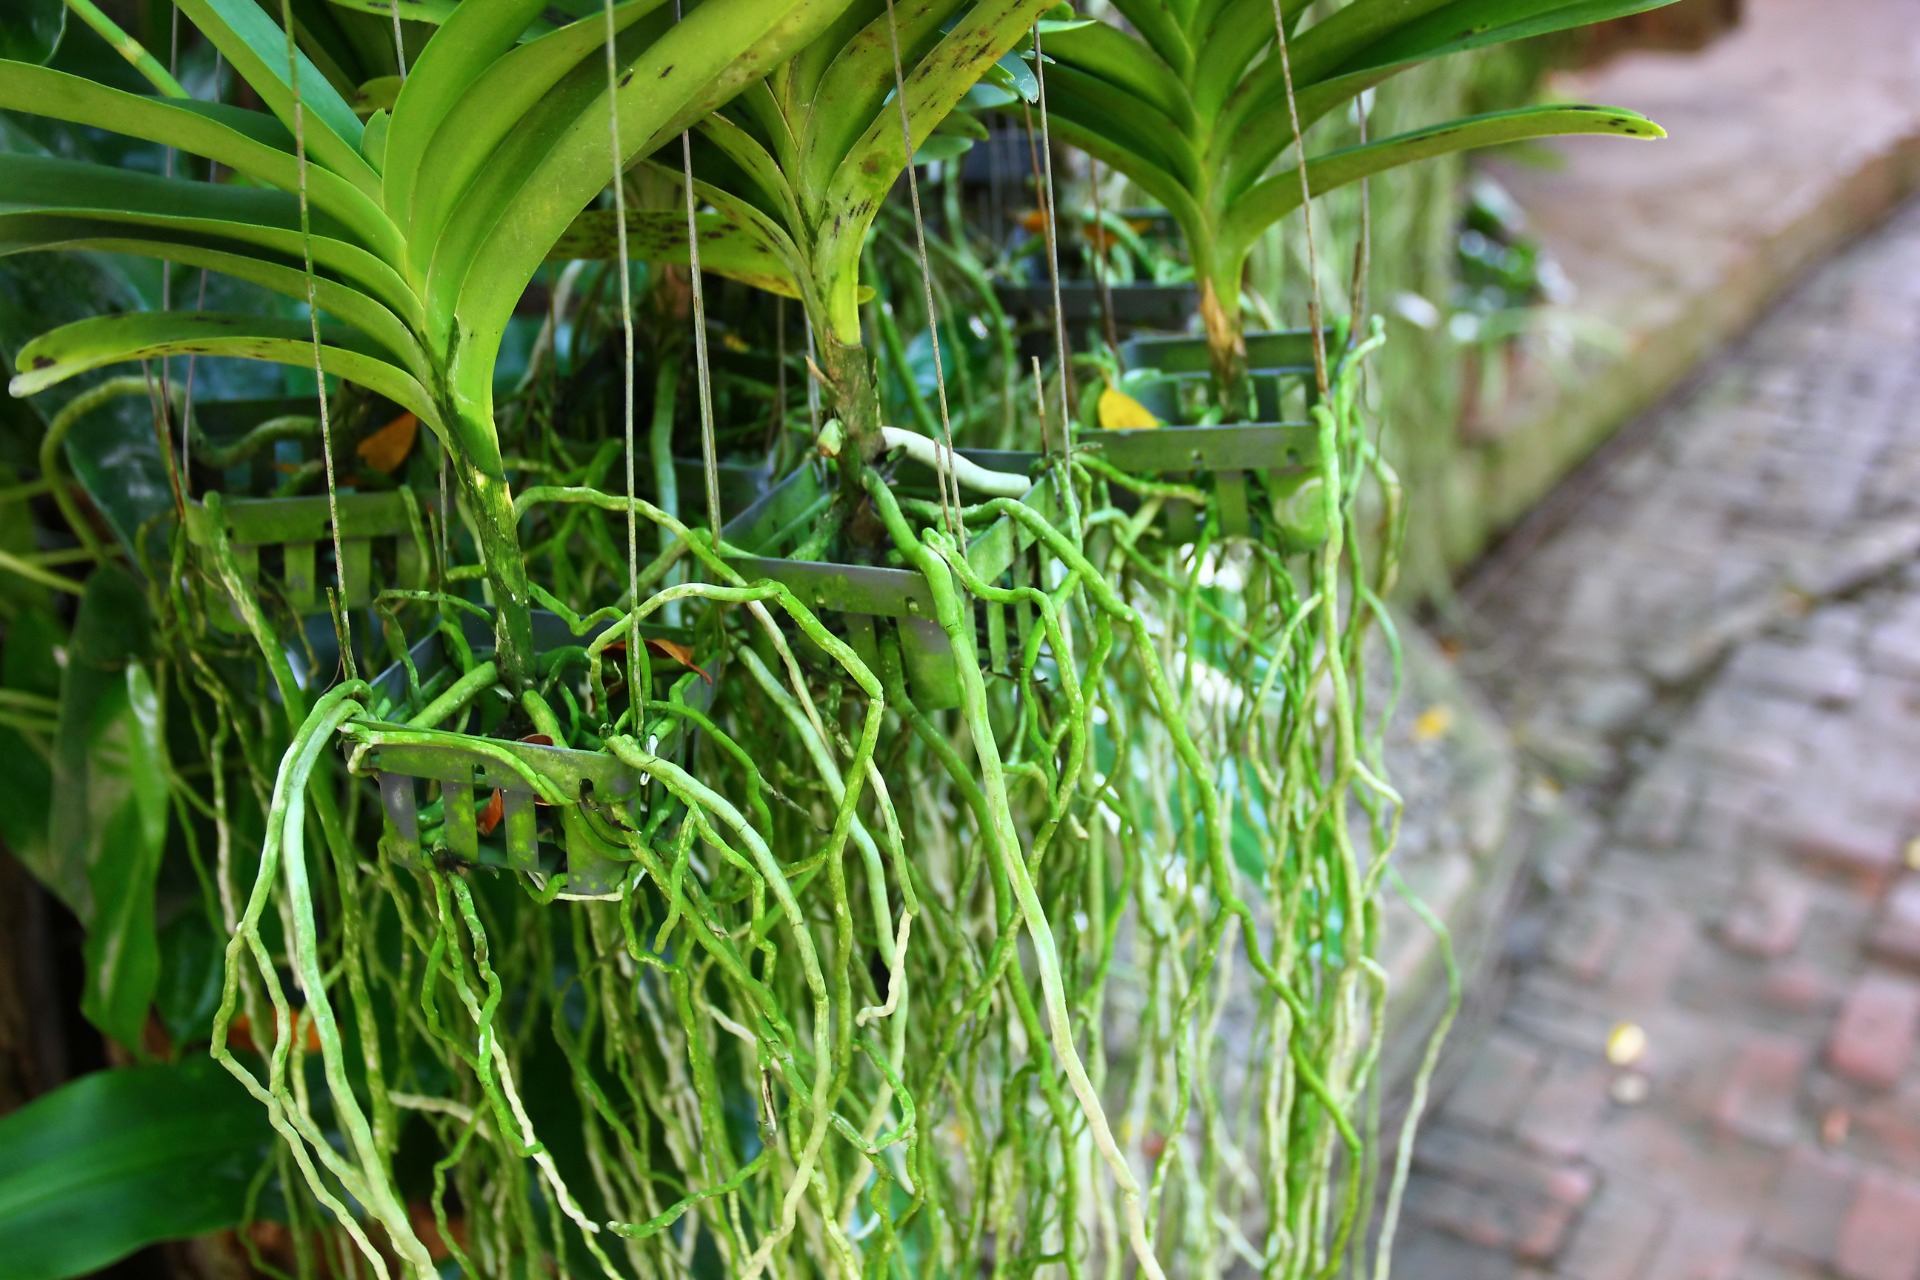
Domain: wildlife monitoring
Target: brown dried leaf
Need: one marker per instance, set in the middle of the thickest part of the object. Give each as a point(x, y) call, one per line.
point(388, 447)
point(490, 817)
point(680, 653)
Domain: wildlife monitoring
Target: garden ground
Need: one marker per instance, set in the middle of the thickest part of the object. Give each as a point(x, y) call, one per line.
point(1702, 1064)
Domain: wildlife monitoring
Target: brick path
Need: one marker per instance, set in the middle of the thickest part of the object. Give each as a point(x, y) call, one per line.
point(1713, 665)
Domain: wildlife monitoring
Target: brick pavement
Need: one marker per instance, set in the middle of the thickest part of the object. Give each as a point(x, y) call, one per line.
point(1713, 665)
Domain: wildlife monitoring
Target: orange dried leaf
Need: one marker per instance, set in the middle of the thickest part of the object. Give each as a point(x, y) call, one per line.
point(680, 653)
point(490, 816)
point(538, 739)
point(1034, 220)
point(388, 447)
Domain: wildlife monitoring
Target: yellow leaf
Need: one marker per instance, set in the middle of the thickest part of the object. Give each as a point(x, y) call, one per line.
point(1121, 412)
point(1433, 723)
point(388, 447)
point(734, 342)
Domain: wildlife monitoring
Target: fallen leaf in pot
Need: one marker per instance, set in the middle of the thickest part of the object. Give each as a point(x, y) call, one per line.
point(680, 653)
point(1121, 412)
point(388, 447)
point(489, 817)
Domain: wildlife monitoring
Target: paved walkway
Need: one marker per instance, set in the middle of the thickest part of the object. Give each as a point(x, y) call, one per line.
point(1713, 662)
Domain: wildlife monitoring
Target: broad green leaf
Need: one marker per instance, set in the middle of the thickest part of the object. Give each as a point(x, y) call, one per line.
point(32, 30)
point(257, 48)
point(103, 340)
point(110, 451)
point(1275, 197)
point(118, 1160)
point(96, 754)
point(28, 666)
point(39, 91)
point(726, 249)
point(128, 759)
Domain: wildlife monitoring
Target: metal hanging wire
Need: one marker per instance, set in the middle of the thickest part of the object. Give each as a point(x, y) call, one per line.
point(626, 358)
point(343, 620)
point(944, 455)
point(1315, 310)
point(709, 460)
point(1053, 276)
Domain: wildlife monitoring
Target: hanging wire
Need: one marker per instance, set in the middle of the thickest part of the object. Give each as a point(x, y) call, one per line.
point(635, 695)
point(709, 459)
point(343, 618)
point(949, 485)
point(1053, 275)
point(1108, 328)
point(200, 304)
point(399, 43)
point(160, 398)
point(1314, 309)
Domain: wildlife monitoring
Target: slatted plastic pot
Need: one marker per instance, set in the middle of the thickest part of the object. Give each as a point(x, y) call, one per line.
point(562, 809)
point(864, 599)
point(1264, 476)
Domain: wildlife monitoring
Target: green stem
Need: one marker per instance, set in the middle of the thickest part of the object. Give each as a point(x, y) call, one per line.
point(490, 503)
point(855, 401)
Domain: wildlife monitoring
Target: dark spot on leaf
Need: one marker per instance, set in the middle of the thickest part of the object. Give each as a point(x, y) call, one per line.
point(625, 78)
point(666, 71)
point(43, 362)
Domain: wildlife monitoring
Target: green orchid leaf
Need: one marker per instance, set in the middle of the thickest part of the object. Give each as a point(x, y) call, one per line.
point(1160, 26)
point(103, 340)
point(1018, 77)
point(726, 248)
point(859, 81)
point(213, 134)
point(1123, 61)
point(1275, 197)
point(119, 1160)
point(446, 69)
point(942, 146)
point(694, 67)
point(127, 764)
point(1475, 24)
point(235, 218)
point(32, 30)
point(435, 12)
point(21, 232)
point(256, 47)
point(934, 86)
